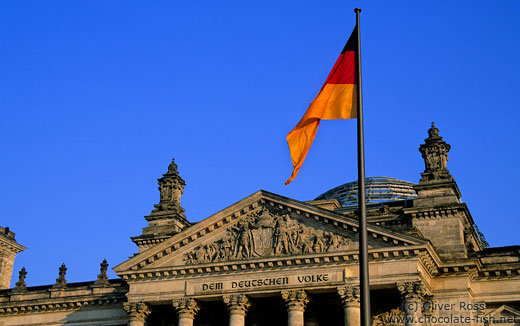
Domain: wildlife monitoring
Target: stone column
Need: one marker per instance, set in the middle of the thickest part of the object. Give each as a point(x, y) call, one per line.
point(412, 298)
point(137, 312)
point(186, 309)
point(427, 309)
point(295, 300)
point(237, 306)
point(350, 298)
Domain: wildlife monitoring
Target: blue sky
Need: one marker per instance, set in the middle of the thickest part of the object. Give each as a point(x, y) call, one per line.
point(96, 98)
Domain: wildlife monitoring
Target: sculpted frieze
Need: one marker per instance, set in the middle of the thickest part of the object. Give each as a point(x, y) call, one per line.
point(262, 234)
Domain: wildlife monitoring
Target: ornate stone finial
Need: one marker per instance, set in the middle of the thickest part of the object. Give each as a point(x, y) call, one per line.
point(20, 285)
point(172, 168)
point(237, 304)
point(171, 187)
point(186, 307)
point(295, 299)
point(137, 311)
point(435, 154)
point(433, 132)
point(102, 278)
point(349, 294)
point(61, 281)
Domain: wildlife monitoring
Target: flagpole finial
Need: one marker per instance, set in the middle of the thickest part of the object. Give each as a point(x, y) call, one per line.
point(357, 10)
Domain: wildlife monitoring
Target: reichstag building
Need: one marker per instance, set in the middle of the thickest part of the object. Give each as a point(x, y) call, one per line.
point(272, 260)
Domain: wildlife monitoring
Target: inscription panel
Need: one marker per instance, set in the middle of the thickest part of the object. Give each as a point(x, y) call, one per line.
point(264, 281)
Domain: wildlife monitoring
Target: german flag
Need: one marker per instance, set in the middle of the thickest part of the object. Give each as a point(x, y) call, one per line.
point(337, 99)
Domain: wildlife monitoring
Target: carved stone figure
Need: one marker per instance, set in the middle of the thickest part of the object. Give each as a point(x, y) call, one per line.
point(319, 244)
point(283, 239)
point(244, 242)
point(263, 234)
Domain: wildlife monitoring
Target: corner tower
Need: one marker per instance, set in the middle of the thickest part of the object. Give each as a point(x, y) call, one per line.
point(8, 250)
point(167, 218)
point(437, 211)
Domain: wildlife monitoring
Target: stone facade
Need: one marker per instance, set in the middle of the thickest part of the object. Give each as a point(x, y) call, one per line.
point(8, 250)
point(272, 260)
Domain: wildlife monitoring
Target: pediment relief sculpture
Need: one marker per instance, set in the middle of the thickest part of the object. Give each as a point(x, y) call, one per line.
point(263, 234)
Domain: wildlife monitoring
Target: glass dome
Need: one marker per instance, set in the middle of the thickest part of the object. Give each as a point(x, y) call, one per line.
point(378, 190)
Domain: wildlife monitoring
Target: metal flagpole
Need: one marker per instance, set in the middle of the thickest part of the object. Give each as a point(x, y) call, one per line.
point(366, 319)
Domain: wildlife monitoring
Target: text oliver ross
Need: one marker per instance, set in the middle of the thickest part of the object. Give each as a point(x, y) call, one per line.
point(267, 281)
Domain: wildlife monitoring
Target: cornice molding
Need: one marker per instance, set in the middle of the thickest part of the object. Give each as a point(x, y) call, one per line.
point(11, 245)
point(58, 305)
point(326, 259)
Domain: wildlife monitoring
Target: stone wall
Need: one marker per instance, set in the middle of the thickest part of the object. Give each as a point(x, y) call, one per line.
point(6, 268)
point(446, 235)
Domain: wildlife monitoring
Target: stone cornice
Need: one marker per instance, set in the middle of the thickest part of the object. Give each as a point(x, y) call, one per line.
point(422, 252)
point(477, 271)
point(498, 273)
point(61, 304)
point(72, 298)
point(437, 212)
point(433, 213)
point(11, 245)
point(143, 241)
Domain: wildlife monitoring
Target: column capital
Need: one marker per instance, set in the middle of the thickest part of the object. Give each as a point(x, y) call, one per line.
point(186, 307)
point(295, 299)
point(349, 294)
point(412, 301)
point(237, 303)
point(136, 310)
point(412, 290)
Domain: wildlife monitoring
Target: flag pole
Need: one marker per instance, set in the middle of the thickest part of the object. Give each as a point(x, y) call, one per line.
point(366, 319)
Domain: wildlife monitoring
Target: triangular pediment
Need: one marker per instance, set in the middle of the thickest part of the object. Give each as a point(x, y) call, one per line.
point(504, 315)
point(262, 226)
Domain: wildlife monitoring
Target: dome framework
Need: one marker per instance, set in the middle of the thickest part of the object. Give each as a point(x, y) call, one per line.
point(378, 190)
